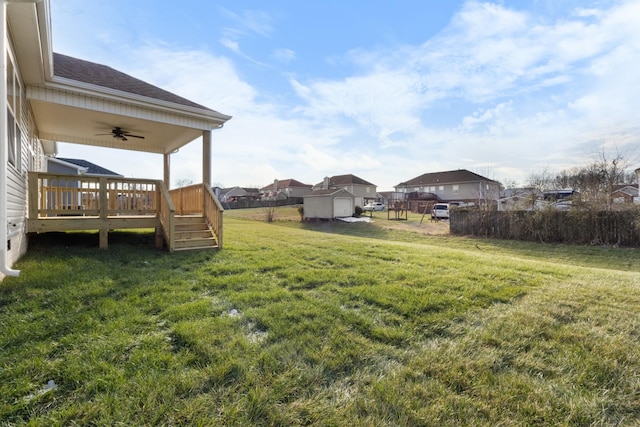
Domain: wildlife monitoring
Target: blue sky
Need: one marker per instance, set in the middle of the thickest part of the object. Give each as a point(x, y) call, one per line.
point(385, 90)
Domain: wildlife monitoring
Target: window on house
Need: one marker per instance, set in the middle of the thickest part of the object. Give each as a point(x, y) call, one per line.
point(455, 188)
point(432, 189)
point(14, 135)
point(11, 99)
point(441, 188)
point(11, 138)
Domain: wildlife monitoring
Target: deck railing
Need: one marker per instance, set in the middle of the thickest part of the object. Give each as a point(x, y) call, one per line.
point(188, 200)
point(60, 202)
point(70, 195)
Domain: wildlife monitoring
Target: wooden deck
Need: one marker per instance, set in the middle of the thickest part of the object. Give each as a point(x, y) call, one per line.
point(69, 202)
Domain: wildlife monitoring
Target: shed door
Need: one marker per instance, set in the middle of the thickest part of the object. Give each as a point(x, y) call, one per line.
point(342, 207)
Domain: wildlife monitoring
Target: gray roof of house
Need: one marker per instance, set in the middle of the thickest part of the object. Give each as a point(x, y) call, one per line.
point(284, 183)
point(346, 180)
point(630, 190)
point(245, 189)
point(104, 76)
point(448, 177)
point(92, 168)
point(328, 192)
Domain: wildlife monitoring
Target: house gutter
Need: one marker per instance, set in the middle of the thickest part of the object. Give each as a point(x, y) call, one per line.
point(4, 152)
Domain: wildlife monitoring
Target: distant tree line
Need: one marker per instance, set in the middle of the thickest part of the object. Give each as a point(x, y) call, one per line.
point(594, 183)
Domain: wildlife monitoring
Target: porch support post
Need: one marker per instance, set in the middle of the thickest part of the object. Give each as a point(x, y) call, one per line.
point(206, 157)
point(104, 212)
point(167, 170)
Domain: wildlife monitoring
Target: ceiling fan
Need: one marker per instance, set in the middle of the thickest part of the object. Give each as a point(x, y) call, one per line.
point(118, 132)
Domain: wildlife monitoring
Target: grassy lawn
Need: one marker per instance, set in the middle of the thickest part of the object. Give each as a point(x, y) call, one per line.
point(321, 324)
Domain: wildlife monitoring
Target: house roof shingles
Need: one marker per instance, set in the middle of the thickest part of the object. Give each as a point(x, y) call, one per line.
point(347, 179)
point(92, 168)
point(326, 192)
point(285, 183)
point(101, 75)
point(448, 177)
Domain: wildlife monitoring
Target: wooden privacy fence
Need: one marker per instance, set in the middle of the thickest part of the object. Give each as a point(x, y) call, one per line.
point(551, 226)
point(248, 204)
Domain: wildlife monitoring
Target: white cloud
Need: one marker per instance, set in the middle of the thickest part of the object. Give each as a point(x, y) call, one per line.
point(249, 22)
point(284, 55)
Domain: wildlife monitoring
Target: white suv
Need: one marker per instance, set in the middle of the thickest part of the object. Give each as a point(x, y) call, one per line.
point(440, 211)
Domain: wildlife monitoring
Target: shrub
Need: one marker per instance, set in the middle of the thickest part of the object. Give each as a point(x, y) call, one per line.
point(358, 211)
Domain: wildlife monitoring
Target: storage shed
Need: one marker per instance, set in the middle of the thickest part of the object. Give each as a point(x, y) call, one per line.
point(329, 204)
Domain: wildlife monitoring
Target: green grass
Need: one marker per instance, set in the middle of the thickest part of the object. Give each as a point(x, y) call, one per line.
point(320, 324)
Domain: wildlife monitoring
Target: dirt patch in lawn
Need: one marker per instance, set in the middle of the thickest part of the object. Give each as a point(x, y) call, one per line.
point(427, 227)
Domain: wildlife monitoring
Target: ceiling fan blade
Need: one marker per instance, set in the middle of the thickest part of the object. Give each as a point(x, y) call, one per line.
point(134, 136)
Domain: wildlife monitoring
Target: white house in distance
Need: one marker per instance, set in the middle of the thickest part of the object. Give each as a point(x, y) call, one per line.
point(285, 188)
point(457, 185)
point(47, 98)
point(519, 199)
point(234, 194)
point(363, 191)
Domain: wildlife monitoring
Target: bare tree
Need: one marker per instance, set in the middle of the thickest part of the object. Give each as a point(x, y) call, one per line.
point(596, 182)
point(184, 182)
point(542, 181)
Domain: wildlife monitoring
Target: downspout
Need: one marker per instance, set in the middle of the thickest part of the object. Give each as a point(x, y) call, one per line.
point(4, 155)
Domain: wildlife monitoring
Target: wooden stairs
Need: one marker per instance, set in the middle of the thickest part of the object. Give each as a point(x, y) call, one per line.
point(192, 232)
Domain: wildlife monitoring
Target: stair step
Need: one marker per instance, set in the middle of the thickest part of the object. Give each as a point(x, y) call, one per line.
point(193, 234)
point(190, 219)
point(195, 248)
point(193, 243)
point(191, 227)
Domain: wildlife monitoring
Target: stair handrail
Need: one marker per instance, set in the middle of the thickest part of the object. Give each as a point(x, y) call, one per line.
point(167, 215)
point(213, 213)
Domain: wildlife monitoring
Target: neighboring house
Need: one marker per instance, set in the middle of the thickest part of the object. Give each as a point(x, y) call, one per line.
point(329, 204)
point(519, 199)
point(363, 191)
point(457, 185)
point(626, 193)
point(284, 189)
point(234, 194)
point(49, 97)
point(559, 195)
point(77, 167)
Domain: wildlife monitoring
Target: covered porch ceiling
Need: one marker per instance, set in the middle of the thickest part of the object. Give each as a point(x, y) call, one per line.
point(65, 123)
